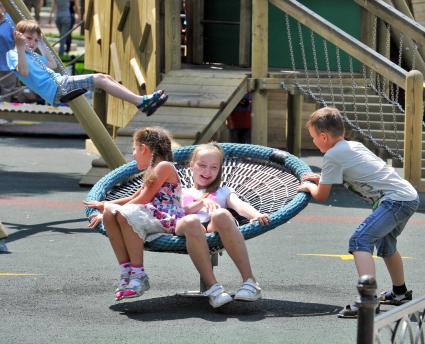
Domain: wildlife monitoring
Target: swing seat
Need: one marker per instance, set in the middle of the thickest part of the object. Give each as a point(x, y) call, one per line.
point(266, 178)
point(72, 95)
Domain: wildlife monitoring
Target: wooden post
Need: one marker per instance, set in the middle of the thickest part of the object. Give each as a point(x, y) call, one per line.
point(413, 127)
point(294, 126)
point(260, 25)
point(195, 12)
point(83, 112)
point(172, 35)
point(245, 33)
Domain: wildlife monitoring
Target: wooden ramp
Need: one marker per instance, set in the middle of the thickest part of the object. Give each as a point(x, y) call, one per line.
point(199, 102)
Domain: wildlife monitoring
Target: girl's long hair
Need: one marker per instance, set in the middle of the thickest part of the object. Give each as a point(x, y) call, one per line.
point(211, 146)
point(159, 142)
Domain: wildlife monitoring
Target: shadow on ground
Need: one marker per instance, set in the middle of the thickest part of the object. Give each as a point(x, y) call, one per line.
point(38, 183)
point(24, 231)
point(178, 307)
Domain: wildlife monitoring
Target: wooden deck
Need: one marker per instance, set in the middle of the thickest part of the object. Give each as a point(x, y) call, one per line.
point(199, 103)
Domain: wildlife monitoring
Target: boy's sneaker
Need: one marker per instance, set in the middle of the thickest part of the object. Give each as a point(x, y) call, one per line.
point(217, 296)
point(152, 102)
point(250, 291)
point(136, 287)
point(389, 298)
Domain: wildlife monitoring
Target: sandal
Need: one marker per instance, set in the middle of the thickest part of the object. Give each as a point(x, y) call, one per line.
point(352, 311)
point(151, 104)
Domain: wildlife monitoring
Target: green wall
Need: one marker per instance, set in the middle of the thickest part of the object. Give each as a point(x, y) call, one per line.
point(222, 41)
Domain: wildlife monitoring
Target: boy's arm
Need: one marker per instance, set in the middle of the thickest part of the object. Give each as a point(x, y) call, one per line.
point(319, 192)
point(21, 67)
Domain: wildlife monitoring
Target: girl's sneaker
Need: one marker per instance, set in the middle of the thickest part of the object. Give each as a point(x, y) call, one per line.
point(389, 298)
point(152, 102)
point(122, 284)
point(250, 291)
point(217, 296)
point(136, 287)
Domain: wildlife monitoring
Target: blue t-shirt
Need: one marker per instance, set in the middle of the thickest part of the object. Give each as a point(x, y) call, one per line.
point(38, 80)
point(6, 41)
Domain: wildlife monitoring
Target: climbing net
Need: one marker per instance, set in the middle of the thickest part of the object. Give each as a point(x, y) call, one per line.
point(372, 106)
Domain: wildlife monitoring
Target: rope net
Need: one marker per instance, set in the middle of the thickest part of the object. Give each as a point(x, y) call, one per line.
point(267, 186)
point(371, 105)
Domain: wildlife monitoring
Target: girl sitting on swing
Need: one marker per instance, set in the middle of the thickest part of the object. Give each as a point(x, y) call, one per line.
point(35, 71)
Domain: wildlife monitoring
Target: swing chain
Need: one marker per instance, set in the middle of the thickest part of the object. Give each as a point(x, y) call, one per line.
point(316, 67)
point(338, 60)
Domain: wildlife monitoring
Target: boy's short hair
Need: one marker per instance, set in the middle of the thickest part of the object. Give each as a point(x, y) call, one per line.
point(30, 26)
point(327, 119)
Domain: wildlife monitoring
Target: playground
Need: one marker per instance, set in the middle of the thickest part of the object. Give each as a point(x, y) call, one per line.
point(57, 274)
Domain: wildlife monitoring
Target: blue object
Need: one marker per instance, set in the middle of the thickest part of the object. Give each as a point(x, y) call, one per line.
point(267, 178)
point(38, 80)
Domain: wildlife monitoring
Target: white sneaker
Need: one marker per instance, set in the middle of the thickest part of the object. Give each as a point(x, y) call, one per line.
point(217, 296)
point(250, 291)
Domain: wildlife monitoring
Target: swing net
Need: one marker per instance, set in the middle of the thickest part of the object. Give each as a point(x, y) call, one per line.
point(264, 177)
point(372, 105)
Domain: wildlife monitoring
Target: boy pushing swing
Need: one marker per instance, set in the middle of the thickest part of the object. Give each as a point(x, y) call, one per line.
point(394, 200)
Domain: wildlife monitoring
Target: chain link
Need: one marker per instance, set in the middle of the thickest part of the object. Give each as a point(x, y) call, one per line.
point(338, 61)
point(325, 48)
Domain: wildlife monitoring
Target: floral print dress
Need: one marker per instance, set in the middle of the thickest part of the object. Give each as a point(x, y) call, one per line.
point(157, 217)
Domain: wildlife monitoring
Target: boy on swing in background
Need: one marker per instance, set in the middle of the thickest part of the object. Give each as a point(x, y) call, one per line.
point(36, 71)
point(393, 199)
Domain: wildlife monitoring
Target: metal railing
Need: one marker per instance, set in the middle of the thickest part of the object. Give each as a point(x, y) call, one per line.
point(404, 324)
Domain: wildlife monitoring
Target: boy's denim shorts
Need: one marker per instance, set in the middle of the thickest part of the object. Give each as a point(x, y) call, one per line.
point(382, 227)
point(68, 83)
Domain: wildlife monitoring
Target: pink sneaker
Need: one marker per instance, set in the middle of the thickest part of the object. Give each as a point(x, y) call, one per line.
point(122, 284)
point(136, 287)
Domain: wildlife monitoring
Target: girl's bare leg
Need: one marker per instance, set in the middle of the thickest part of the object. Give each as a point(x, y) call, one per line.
point(223, 222)
point(115, 236)
point(133, 243)
point(197, 247)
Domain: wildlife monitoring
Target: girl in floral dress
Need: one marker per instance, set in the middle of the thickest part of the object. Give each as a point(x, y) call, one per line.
point(151, 211)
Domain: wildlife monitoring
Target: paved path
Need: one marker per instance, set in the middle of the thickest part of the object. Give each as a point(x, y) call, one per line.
point(56, 284)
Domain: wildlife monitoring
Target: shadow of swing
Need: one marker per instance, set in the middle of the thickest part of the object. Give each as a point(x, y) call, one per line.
point(24, 231)
point(178, 307)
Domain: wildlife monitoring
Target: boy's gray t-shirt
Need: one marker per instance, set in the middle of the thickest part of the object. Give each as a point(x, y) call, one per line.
point(352, 164)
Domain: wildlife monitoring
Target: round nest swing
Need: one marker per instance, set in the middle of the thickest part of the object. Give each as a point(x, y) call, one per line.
point(266, 178)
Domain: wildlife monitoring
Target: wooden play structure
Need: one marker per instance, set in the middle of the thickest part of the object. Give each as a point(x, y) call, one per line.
point(379, 98)
point(370, 67)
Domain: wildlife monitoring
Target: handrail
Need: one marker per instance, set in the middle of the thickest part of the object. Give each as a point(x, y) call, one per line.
point(342, 40)
point(398, 19)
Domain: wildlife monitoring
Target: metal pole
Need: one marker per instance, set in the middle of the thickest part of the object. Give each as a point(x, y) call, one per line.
point(367, 304)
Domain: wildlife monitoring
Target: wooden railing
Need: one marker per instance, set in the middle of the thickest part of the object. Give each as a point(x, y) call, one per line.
point(411, 82)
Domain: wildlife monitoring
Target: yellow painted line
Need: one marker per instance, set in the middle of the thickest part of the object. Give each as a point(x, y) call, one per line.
point(16, 274)
point(340, 256)
point(25, 122)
